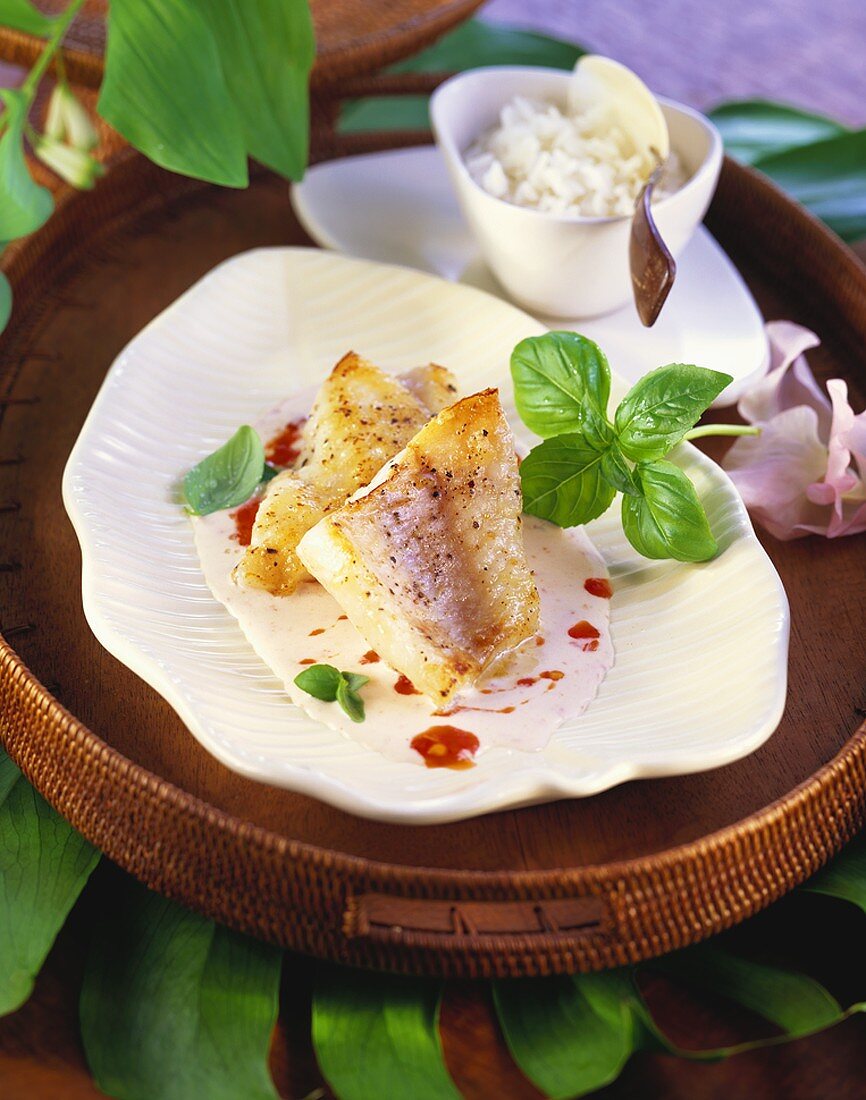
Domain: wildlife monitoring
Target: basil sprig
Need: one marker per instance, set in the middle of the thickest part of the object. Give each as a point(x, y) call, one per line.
point(330, 685)
point(227, 477)
point(562, 388)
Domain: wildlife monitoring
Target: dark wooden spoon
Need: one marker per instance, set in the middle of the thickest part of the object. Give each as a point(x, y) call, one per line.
point(653, 268)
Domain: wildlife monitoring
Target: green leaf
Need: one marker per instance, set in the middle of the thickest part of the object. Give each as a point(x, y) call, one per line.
point(355, 681)
point(793, 1002)
point(165, 91)
point(174, 1007)
point(22, 16)
point(5, 301)
point(570, 1035)
point(845, 876)
point(227, 477)
point(267, 49)
point(555, 376)
point(667, 520)
point(563, 482)
point(661, 407)
point(755, 128)
point(617, 471)
point(24, 206)
point(320, 681)
point(472, 44)
point(376, 1036)
point(44, 865)
point(350, 700)
point(829, 178)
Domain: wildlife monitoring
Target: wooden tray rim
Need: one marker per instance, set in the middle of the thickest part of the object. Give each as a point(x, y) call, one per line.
point(817, 816)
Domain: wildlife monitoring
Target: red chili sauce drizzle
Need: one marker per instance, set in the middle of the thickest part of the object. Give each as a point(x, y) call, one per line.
point(316, 632)
point(244, 518)
point(446, 747)
point(404, 686)
point(285, 446)
point(371, 657)
point(527, 681)
point(585, 633)
point(481, 710)
point(598, 586)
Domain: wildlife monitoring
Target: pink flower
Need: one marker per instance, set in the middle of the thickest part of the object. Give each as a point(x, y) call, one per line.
point(806, 472)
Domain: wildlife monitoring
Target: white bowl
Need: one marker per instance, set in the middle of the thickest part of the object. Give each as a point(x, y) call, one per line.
point(563, 265)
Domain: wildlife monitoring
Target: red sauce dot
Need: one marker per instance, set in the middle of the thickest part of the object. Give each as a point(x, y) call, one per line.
point(539, 640)
point(554, 674)
point(341, 618)
point(307, 661)
point(598, 586)
point(446, 747)
point(590, 646)
point(318, 630)
point(583, 629)
point(527, 681)
point(245, 518)
point(404, 686)
point(284, 448)
point(369, 658)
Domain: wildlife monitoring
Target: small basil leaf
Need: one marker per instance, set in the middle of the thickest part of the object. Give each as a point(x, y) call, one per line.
point(25, 206)
point(596, 428)
point(667, 520)
point(228, 477)
point(562, 481)
point(269, 473)
point(320, 681)
point(659, 409)
point(355, 680)
point(350, 700)
point(554, 376)
point(618, 472)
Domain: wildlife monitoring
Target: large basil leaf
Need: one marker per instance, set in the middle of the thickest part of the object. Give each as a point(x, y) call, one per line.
point(164, 90)
point(660, 408)
point(44, 865)
point(667, 520)
point(570, 1035)
point(267, 50)
point(472, 44)
point(22, 16)
point(25, 206)
point(377, 1036)
point(754, 128)
point(227, 477)
point(5, 301)
point(174, 1007)
point(845, 876)
point(563, 482)
point(555, 376)
point(829, 178)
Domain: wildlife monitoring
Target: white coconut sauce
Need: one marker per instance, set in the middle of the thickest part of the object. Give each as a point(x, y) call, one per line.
point(519, 701)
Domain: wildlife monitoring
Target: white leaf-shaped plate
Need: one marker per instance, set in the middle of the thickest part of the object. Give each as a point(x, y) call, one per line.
point(701, 651)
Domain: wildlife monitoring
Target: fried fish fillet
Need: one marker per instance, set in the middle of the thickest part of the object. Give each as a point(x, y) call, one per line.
point(361, 417)
point(429, 563)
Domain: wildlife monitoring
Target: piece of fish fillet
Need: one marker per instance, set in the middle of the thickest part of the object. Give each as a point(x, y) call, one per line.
point(429, 563)
point(360, 418)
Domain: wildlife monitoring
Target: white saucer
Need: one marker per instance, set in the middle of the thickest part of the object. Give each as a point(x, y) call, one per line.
point(398, 207)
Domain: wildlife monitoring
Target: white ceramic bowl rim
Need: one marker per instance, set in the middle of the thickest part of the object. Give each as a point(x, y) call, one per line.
point(444, 138)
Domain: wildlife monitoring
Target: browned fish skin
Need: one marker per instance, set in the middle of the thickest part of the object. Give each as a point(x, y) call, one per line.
point(361, 418)
point(429, 564)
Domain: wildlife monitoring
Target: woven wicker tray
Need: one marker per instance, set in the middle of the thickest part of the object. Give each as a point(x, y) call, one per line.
point(637, 871)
